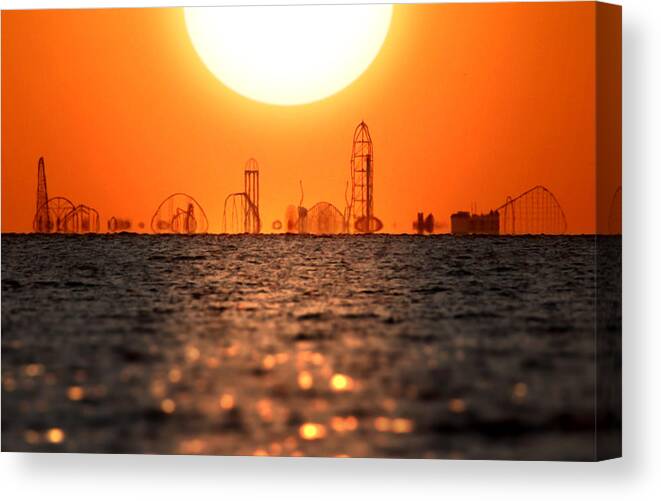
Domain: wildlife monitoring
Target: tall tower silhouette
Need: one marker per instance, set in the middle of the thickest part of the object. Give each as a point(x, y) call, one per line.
point(361, 210)
point(42, 222)
point(251, 189)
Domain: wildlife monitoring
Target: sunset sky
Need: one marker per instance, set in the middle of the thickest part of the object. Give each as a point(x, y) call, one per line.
point(466, 104)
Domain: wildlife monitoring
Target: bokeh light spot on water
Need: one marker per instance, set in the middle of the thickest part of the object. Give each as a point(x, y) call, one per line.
point(192, 353)
point(397, 425)
point(174, 375)
point(457, 405)
point(265, 409)
point(305, 380)
point(226, 401)
point(344, 424)
point(341, 382)
point(75, 393)
point(275, 449)
point(268, 362)
point(312, 431)
point(32, 437)
point(33, 370)
point(55, 435)
point(402, 425)
point(158, 388)
point(520, 391)
point(168, 406)
point(382, 424)
point(9, 383)
point(233, 350)
point(192, 446)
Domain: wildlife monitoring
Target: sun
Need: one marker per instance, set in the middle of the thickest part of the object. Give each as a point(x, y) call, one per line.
point(288, 55)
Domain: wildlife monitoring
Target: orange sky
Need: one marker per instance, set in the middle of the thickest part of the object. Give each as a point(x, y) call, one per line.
point(465, 103)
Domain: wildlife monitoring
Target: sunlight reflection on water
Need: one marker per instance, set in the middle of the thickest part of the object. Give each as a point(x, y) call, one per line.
point(379, 346)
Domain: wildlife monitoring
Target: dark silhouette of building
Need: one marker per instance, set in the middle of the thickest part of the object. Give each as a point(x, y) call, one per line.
point(424, 224)
point(465, 223)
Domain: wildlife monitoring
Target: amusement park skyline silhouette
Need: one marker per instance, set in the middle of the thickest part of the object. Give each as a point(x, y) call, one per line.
point(536, 211)
point(465, 108)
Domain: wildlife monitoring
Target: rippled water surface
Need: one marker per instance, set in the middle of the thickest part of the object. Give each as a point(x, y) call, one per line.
point(381, 346)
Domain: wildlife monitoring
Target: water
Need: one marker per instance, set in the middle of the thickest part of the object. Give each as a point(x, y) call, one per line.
point(380, 346)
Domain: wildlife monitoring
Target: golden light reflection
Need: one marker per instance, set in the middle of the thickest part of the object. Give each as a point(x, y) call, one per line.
point(382, 424)
point(337, 423)
point(265, 409)
point(275, 449)
point(268, 362)
point(305, 380)
point(213, 363)
point(341, 382)
point(75, 393)
point(305, 357)
point(9, 383)
point(168, 406)
point(192, 446)
point(344, 424)
point(402, 425)
point(233, 350)
point(192, 353)
point(33, 370)
point(158, 388)
point(55, 435)
point(312, 431)
point(260, 452)
point(226, 401)
point(32, 437)
point(457, 406)
point(520, 391)
point(174, 375)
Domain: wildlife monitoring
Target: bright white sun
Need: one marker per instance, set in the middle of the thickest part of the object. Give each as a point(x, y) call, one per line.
point(288, 55)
